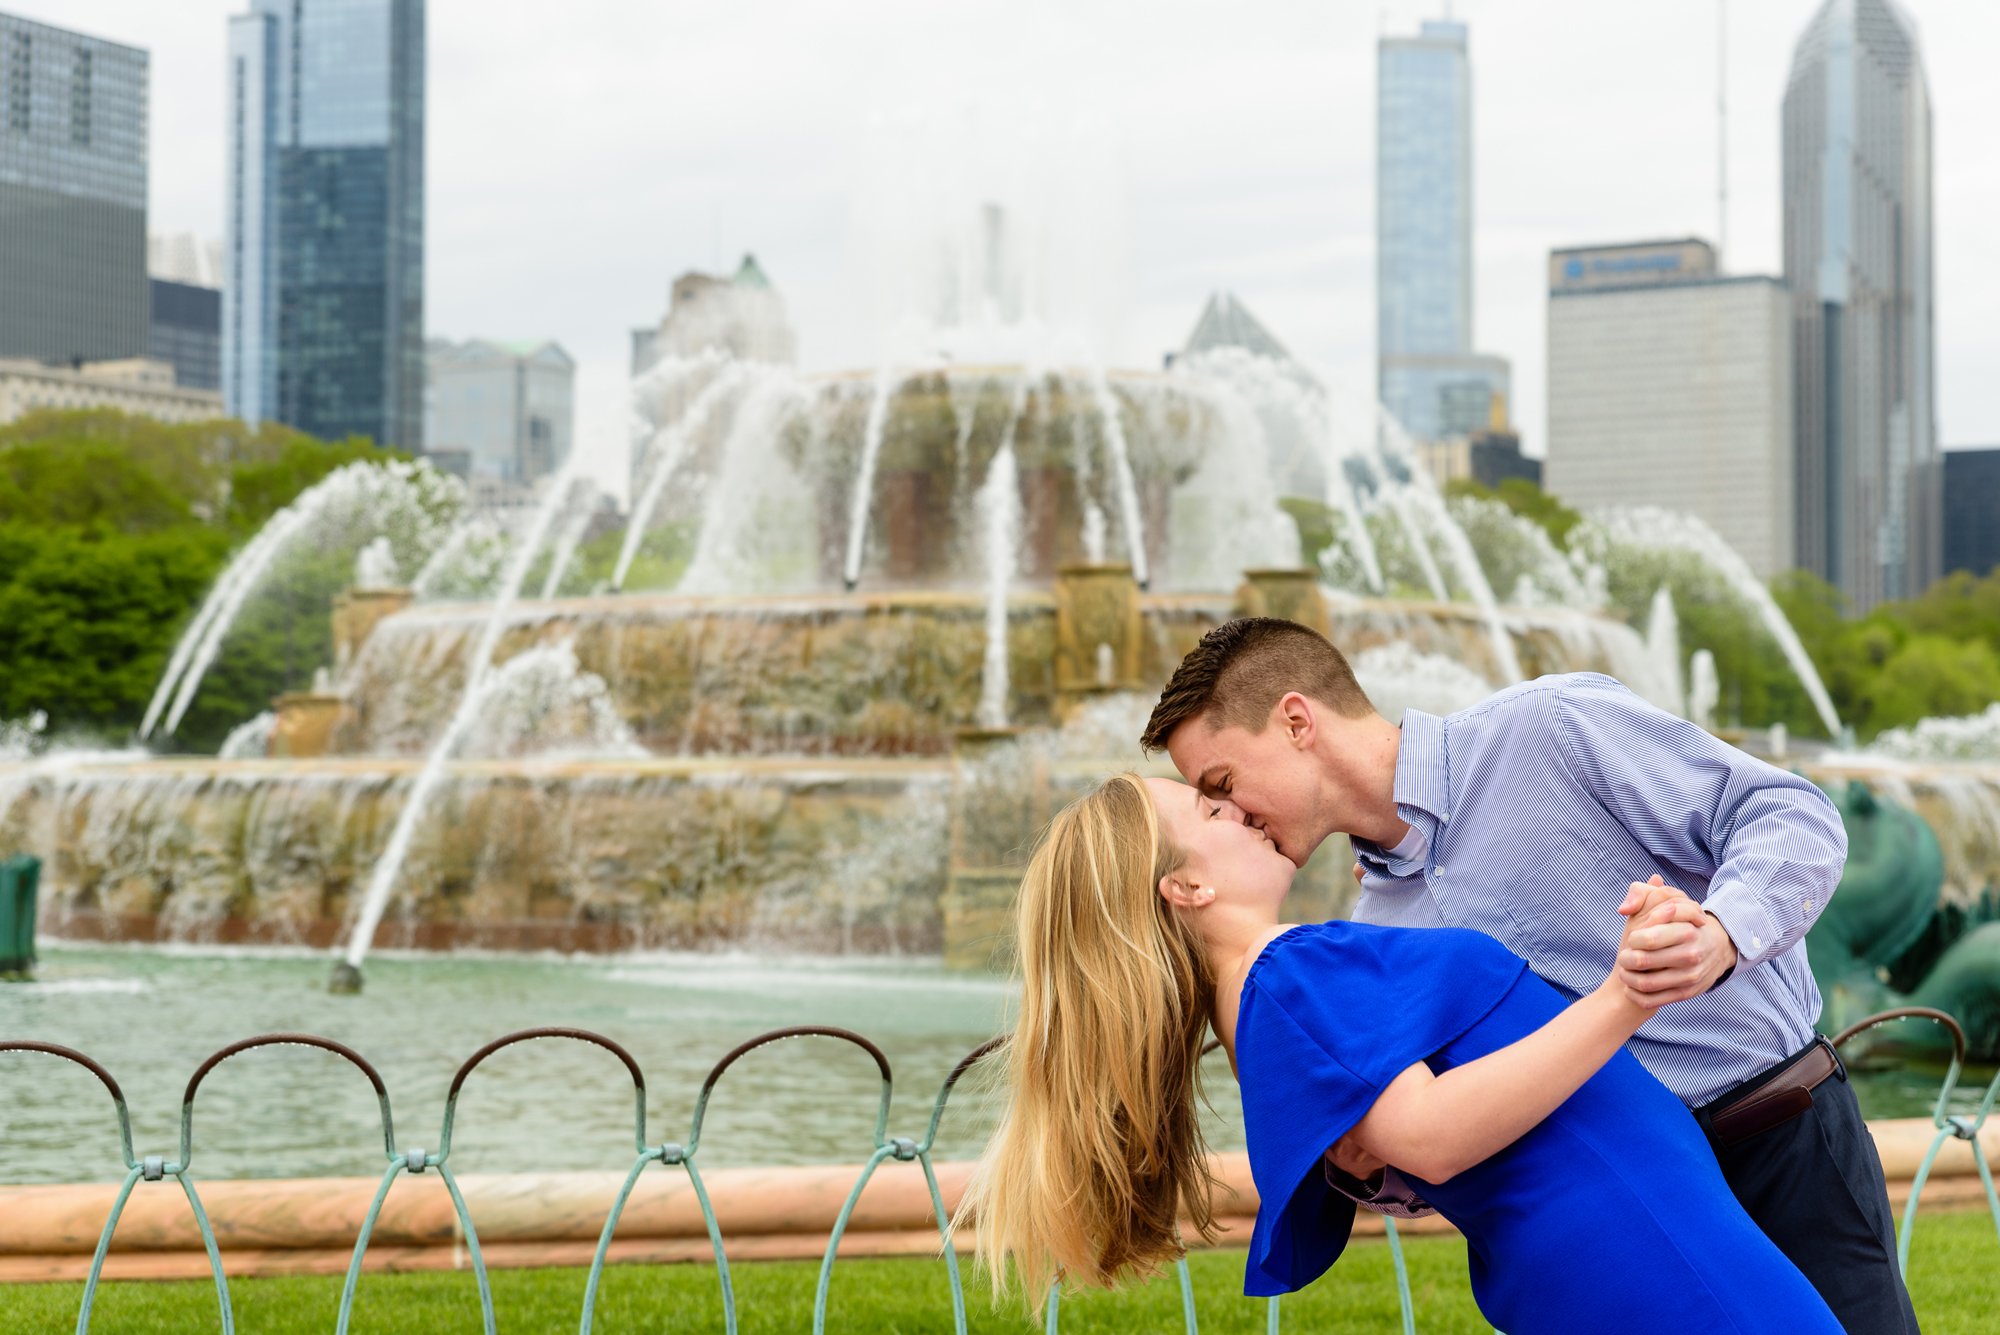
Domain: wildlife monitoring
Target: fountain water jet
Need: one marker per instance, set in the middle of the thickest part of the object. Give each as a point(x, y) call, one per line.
point(579, 504)
point(886, 381)
point(670, 446)
point(1121, 462)
point(363, 499)
point(479, 683)
point(1663, 646)
point(1650, 526)
point(999, 503)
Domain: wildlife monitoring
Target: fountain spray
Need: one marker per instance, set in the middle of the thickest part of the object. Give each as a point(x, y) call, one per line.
point(886, 382)
point(479, 674)
point(999, 502)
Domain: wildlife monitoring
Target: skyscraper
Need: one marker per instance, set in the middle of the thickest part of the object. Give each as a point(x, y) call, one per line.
point(323, 264)
point(1427, 375)
point(499, 411)
point(1671, 384)
point(72, 195)
point(1857, 181)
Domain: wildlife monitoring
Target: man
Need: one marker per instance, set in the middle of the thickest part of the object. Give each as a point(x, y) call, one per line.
point(1539, 815)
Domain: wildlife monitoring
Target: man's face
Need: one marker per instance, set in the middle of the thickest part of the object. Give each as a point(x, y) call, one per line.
point(1269, 779)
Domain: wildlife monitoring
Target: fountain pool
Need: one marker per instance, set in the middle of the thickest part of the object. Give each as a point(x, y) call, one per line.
point(152, 1014)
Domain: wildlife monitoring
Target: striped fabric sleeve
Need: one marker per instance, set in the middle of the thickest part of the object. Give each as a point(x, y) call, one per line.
point(1770, 843)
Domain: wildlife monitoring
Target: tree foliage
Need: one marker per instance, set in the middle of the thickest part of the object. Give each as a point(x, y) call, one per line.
point(112, 528)
point(1938, 654)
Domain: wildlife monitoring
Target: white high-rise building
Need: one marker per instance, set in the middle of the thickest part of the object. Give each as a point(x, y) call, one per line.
point(1671, 384)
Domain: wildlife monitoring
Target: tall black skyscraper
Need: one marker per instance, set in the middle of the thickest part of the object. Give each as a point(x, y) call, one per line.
point(1857, 181)
point(72, 195)
point(323, 262)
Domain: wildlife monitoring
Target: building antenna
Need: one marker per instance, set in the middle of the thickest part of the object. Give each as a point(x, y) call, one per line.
point(1721, 132)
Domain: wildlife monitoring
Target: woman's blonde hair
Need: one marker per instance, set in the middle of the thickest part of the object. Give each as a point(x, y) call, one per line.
point(1100, 1150)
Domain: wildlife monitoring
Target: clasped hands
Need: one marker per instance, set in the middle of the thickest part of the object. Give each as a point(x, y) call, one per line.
point(1671, 948)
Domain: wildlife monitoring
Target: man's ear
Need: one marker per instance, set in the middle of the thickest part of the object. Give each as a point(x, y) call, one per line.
point(1300, 720)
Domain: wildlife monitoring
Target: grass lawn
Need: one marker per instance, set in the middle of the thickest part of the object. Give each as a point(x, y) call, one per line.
point(1955, 1277)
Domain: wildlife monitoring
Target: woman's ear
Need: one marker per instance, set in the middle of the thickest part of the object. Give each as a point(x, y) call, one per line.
point(1177, 890)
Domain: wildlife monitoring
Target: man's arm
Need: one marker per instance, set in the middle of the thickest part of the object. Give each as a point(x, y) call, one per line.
point(1770, 843)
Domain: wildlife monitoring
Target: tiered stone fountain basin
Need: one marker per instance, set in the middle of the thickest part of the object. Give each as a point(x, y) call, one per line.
point(812, 777)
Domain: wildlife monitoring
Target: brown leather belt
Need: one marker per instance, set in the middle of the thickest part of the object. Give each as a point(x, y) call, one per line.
point(1776, 1101)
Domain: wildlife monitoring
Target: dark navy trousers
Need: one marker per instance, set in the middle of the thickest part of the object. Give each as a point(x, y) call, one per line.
point(1814, 1185)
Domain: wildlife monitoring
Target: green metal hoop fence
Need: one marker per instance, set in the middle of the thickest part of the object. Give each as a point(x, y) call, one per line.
point(685, 1157)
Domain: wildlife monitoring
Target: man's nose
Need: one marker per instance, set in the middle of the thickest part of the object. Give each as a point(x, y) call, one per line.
point(1226, 807)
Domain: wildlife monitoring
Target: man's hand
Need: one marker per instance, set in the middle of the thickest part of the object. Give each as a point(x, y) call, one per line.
point(1672, 950)
point(1348, 1156)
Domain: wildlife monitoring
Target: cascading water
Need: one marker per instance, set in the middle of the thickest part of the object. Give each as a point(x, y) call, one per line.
point(1121, 463)
point(1663, 647)
point(999, 504)
point(864, 482)
point(413, 504)
point(479, 674)
point(579, 506)
point(1376, 455)
point(1285, 399)
point(1423, 492)
point(1649, 526)
point(669, 448)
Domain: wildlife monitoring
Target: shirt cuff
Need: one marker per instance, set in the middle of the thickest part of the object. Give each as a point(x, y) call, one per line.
point(1743, 917)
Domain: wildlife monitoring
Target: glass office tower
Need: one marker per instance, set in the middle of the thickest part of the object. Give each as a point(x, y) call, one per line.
point(1857, 182)
point(1428, 377)
point(322, 324)
point(72, 195)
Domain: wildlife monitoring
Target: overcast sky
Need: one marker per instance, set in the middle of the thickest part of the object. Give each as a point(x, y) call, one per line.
point(582, 154)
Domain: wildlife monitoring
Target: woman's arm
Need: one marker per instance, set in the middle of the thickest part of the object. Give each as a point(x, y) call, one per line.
point(1437, 1126)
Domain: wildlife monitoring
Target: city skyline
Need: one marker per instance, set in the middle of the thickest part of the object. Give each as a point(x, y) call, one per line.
point(742, 141)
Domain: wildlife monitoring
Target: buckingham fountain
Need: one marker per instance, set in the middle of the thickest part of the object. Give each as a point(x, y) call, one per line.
point(864, 633)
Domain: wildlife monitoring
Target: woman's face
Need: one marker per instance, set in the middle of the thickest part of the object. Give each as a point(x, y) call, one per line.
point(1237, 861)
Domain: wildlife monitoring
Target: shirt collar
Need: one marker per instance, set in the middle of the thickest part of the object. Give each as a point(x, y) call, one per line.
point(1421, 780)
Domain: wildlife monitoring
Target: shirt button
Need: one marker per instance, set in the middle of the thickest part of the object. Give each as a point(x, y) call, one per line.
point(1440, 871)
point(1757, 942)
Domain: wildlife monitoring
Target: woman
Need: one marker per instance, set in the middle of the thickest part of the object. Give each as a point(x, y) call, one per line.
point(1588, 1198)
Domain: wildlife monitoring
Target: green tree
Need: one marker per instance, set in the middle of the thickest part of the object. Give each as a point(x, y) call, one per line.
point(1929, 676)
point(113, 527)
point(87, 618)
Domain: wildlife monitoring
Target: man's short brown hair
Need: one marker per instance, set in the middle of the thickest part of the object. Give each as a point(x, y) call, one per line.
point(1241, 669)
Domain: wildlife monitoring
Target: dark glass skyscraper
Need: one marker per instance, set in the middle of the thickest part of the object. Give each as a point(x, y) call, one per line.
point(323, 307)
point(1857, 164)
point(72, 195)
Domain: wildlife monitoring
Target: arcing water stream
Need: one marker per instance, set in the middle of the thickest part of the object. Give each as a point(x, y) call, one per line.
point(480, 681)
point(413, 505)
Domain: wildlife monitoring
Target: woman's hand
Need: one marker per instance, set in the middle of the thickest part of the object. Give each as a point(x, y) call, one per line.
point(1660, 955)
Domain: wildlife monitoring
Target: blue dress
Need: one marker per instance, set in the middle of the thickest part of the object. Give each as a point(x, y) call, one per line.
point(1609, 1216)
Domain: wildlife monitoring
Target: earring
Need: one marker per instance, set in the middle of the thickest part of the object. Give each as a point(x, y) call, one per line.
point(1207, 896)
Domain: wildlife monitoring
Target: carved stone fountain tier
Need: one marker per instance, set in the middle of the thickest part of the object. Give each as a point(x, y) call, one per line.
point(892, 673)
